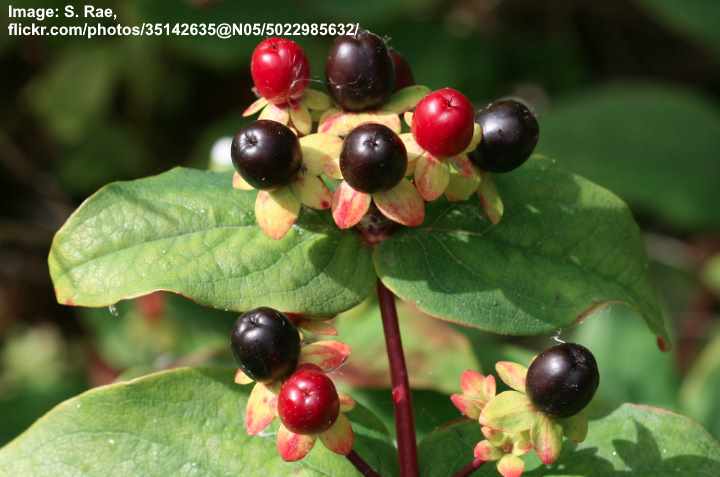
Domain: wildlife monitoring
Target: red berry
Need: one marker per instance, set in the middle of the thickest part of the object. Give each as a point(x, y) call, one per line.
point(443, 122)
point(403, 72)
point(280, 70)
point(308, 402)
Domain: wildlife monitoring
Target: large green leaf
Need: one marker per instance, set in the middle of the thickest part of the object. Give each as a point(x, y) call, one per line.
point(654, 146)
point(565, 247)
point(700, 393)
point(189, 232)
point(698, 18)
point(183, 422)
point(634, 440)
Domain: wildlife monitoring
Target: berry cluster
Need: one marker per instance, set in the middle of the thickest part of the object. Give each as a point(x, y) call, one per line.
point(545, 403)
point(359, 159)
point(288, 365)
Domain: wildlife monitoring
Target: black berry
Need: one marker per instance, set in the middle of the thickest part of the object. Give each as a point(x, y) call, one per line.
point(359, 71)
point(403, 72)
point(266, 154)
point(563, 379)
point(266, 344)
point(373, 158)
point(510, 134)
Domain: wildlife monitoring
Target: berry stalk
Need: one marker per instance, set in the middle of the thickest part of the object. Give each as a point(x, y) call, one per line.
point(360, 464)
point(402, 400)
point(469, 468)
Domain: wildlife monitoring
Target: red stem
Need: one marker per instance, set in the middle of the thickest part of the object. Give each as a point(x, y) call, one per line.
point(362, 466)
point(402, 400)
point(469, 468)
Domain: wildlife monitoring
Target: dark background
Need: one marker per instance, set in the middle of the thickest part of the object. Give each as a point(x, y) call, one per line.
point(627, 92)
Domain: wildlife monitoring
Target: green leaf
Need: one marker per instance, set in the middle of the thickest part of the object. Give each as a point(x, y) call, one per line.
point(181, 330)
point(700, 393)
point(698, 18)
point(436, 353)
point(189, 232)
point(564, 248)
point(633, 139)
point(180, 422)
point(613, 335)
point(711, 274)
point(633, 440)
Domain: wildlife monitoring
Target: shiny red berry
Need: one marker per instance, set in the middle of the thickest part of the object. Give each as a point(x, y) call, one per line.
point(308, 402)
point(403, 72)
point(443, 122)
point(373, 158)
point(563, 379)
point(266, 154)
point(265, 344)
point(280, 70)
point(510, 134)
point(359, 71)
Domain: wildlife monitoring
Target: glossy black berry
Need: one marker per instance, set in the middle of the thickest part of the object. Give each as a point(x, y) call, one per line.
point(510, 134)
point(563, 379)
point(266, 344)
point(266, 154)
point(359, 71)
point(373, 158)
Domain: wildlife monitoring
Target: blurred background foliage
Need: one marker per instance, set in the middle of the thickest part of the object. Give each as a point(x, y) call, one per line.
point(627, 92)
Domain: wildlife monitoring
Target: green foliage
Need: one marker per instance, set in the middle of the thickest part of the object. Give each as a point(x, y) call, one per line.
point(564, 246)
point(633, 440)
point(181, 422)
point(698, 18)
point(189, 232)
point(700, 392)
point(654, 146)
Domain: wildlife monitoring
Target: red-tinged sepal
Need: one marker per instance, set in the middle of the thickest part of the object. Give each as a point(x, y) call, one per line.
point(432, 177)
point(242, 378)
point(321, 154)
point(402, 204)
point(496, 437)
point(522, 444)
point(461, 188)
point(546, 436)
point(255, 107)
point(239, 183)
point(477, 389)
point(340, 123)
point(414, 151)
point(349, 205)
point(511, 466)
point(509, 411)
point(276, 211)
point(328, 355)
point(311, 191)
point(408, 117)
point(261, 409)
point(490, 199)
point(340, 437)
point(485, 451)
point(575, 427)
point(301, 120)
point(321, 328)
point(476, 138)
point(275, 113)
point(315, 100)
point(512, 374)
point(347, 403)
point(406, 99)
point(293, 447)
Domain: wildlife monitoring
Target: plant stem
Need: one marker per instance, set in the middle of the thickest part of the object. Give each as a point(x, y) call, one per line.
point(360, 464)
point(402, 400)
point(469, 468)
